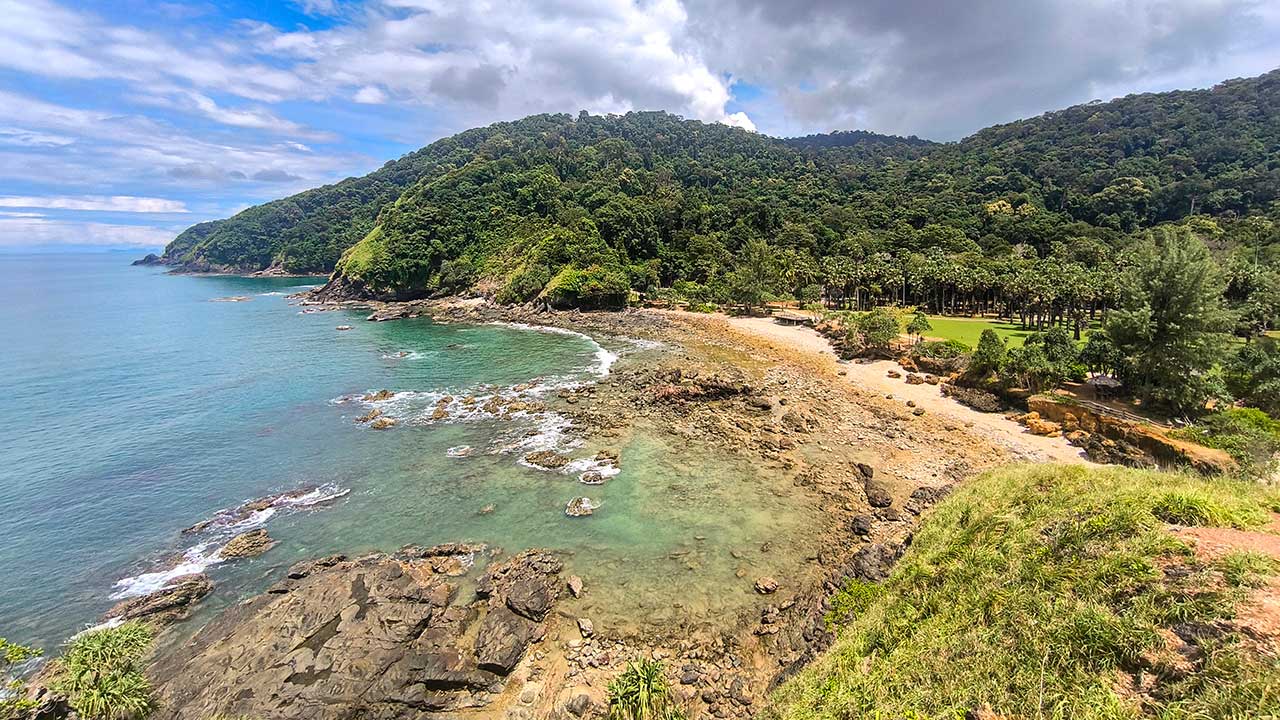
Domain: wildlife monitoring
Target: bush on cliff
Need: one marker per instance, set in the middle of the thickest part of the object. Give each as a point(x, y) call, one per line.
point(1057, 592)
point(101, 676)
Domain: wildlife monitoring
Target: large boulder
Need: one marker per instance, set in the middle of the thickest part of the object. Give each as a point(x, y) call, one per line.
point(247, 544)
point(381, 637)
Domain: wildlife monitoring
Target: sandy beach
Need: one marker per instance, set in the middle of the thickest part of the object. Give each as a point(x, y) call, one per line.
point(872, 376)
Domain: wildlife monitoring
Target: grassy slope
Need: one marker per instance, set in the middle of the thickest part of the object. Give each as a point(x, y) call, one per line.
point(1034, 592)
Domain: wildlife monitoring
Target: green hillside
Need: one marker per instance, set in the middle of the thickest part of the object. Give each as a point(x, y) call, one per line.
point(580, 210)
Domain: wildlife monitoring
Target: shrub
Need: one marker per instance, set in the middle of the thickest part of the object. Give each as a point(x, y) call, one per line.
point(919, 324)
point(12, 703)
point(989, 355)
point(641, 692)
point(1253, 375)
point(942, 349)
point(525, 285)
point(809, 294)
point(1249, 435)
point(101, 673)
point(593, 287)
point(878, 328)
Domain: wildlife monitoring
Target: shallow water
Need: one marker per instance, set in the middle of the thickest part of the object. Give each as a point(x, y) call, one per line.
point(133, 407)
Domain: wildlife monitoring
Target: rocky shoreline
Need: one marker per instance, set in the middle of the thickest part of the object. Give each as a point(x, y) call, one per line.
point(460, 629)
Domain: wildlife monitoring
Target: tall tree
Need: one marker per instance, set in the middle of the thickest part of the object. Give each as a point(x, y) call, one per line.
point(1171, 325)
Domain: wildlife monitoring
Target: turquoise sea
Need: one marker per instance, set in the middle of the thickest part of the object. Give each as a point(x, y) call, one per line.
point(135, 403)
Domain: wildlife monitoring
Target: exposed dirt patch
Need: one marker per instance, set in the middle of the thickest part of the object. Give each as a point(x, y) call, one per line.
point(1259, 615)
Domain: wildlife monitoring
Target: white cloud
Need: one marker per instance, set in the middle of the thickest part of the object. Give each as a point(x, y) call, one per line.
point(739, 119)
point(370, 95)
point(114, 203)
point(113, 147)
point(26, 231)
point(32, 138)
point(318, 7)
point(483, 61)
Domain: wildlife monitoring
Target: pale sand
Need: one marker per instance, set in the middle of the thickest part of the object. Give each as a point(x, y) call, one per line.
point(872, 376)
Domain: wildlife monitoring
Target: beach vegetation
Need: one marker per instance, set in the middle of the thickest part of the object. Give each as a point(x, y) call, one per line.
point(642, 692)
point(101, 673)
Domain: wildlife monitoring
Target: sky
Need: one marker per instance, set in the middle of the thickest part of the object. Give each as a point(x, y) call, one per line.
point(123, 122)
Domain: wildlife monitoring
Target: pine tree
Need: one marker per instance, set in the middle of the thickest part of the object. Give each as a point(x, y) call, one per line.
point(1170, 327)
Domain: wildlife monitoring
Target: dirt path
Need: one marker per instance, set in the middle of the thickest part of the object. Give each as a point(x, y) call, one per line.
point(872, 377)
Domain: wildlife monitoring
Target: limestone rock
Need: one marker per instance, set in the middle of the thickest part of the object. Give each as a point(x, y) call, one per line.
point(381, 637)
point(580, 507)
point(766, 585)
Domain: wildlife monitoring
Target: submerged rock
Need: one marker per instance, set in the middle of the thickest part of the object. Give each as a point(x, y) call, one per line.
point(247, 544)
point(378, 396)
point(766, 585)
point(548, 459)
point(580, 507)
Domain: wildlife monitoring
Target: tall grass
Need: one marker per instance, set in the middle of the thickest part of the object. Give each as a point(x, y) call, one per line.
point(1047, 592)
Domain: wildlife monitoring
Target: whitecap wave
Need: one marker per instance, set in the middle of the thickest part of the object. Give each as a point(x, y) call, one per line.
point(223, 525)
point(322, 494)
point(194, 560)
point(604, 358)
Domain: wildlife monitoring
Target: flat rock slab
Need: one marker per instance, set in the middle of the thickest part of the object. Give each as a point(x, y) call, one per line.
point(380, 637)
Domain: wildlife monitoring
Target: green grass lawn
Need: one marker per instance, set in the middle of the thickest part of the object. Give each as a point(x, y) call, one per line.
point(968, 330)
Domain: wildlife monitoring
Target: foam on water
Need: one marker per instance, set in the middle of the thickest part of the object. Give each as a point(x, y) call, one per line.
point(604, 358)
point(194, 560)
point(323, 494)
point(198, 558)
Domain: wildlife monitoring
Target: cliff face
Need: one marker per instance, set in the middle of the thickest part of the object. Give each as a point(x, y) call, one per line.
point(1112, 439)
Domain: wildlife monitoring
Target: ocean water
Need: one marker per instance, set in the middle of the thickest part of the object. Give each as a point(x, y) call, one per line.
point(134, 404)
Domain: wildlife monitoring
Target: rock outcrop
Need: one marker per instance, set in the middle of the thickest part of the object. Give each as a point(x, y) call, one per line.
point(169, 604)
point(384, 636)
point(1109, 439)
point(247, 544)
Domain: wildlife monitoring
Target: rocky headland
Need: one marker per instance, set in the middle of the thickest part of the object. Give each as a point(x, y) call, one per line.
point(457, 630)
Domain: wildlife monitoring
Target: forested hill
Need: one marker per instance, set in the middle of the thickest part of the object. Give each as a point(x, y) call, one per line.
point(580, 210)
